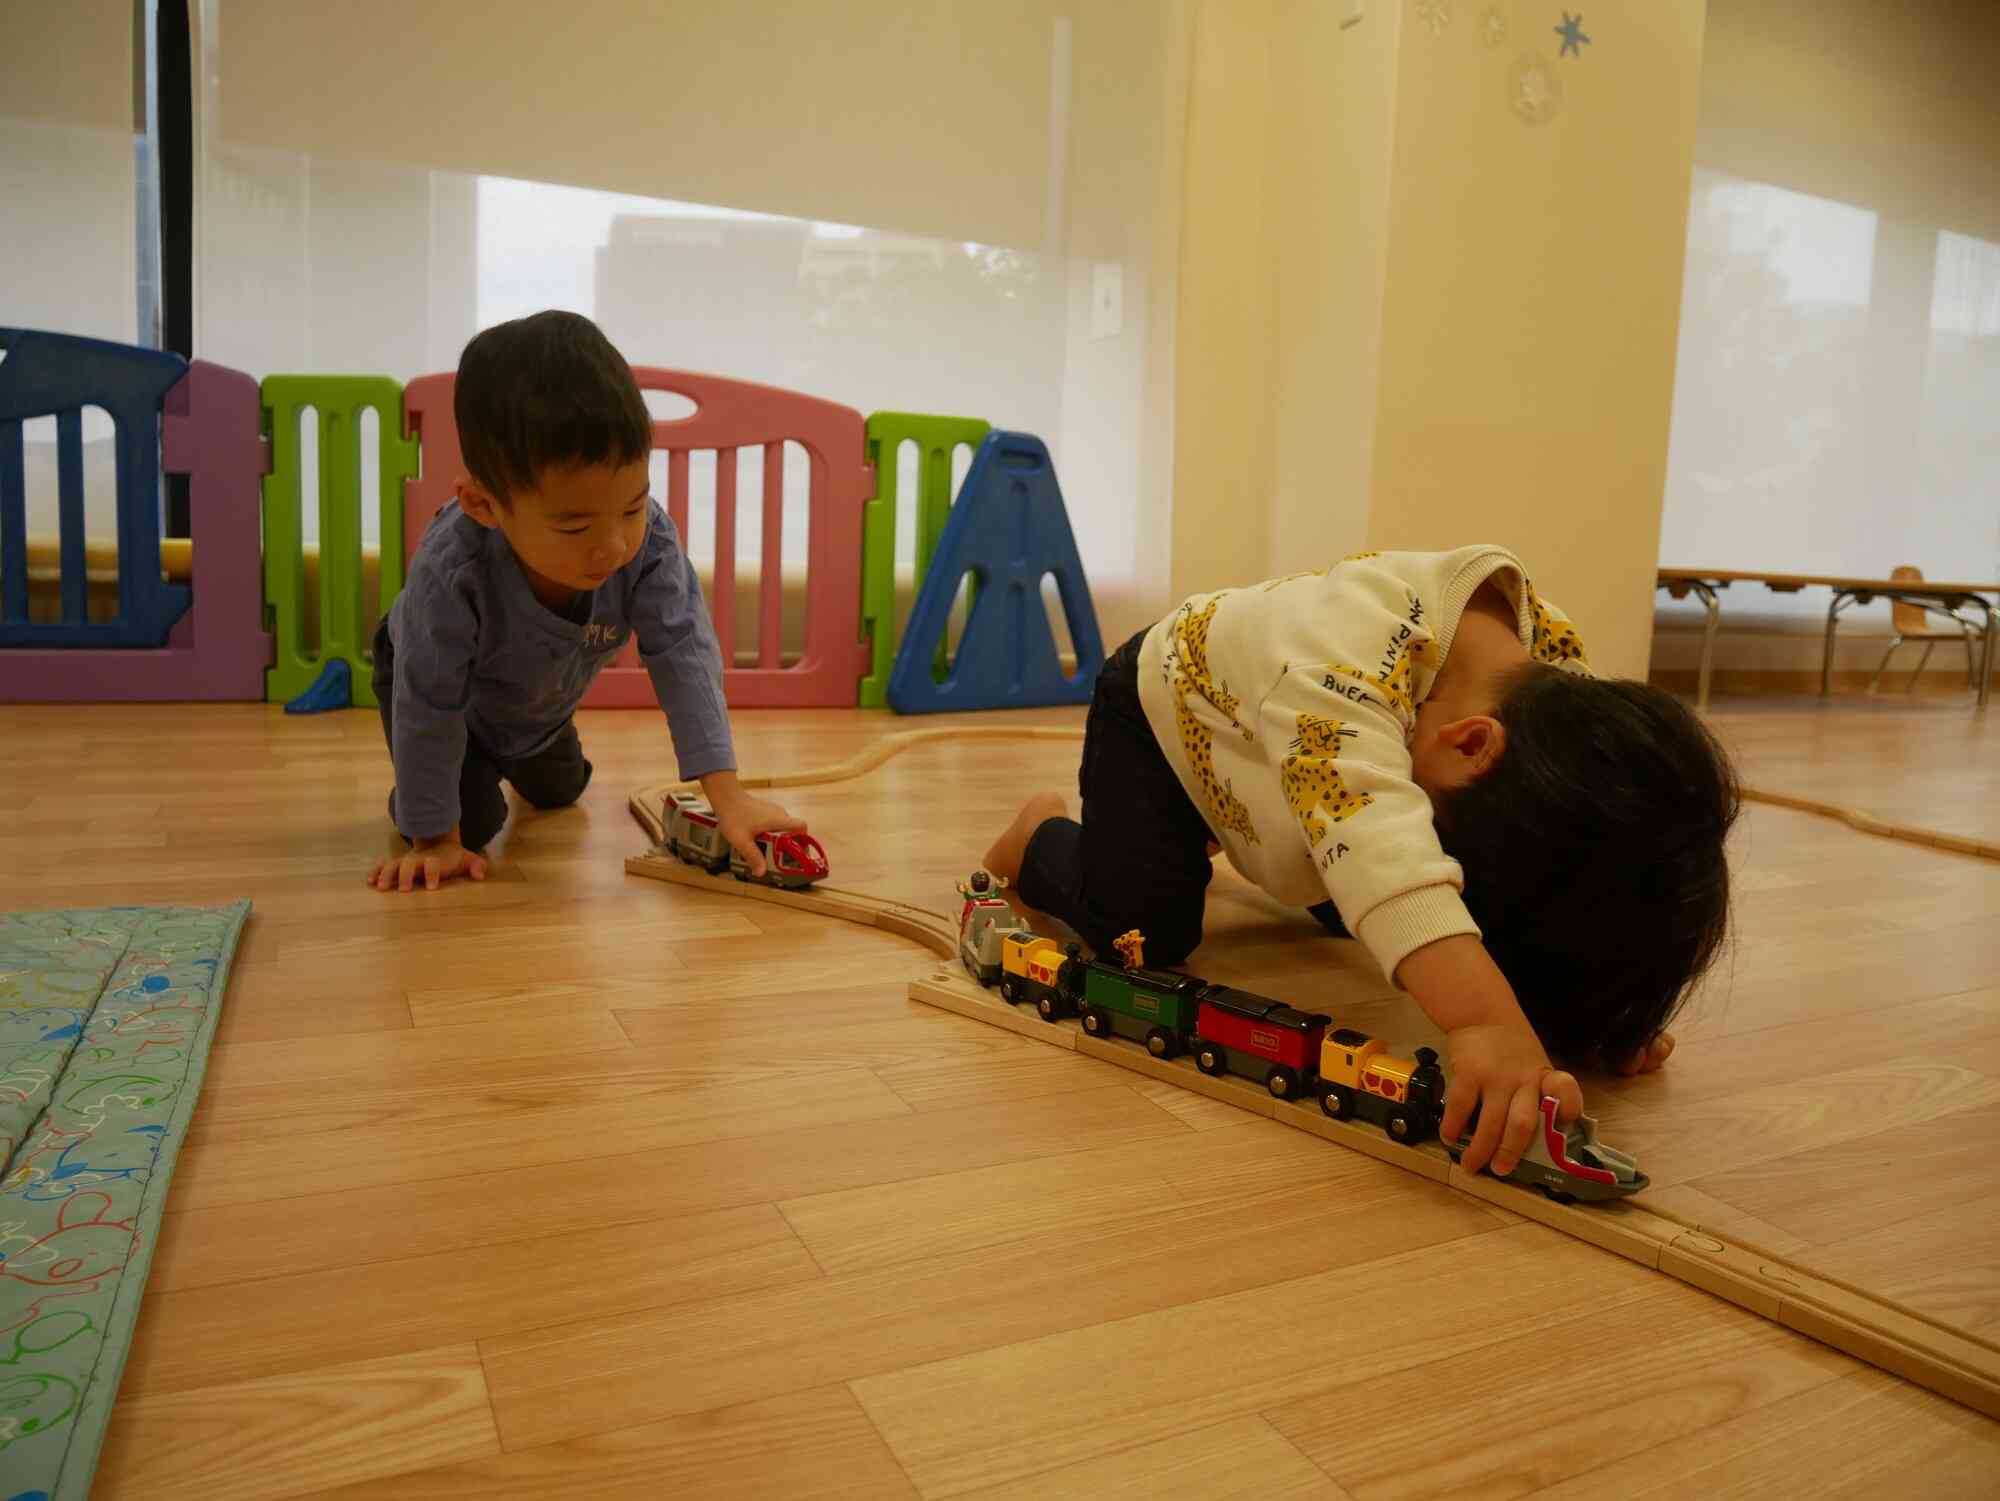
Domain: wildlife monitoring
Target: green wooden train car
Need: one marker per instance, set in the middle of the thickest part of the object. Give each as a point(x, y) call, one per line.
point(1151, 1006)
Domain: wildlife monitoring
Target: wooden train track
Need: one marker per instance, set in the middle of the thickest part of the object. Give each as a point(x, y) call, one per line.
point(1867, 823)
point(648, 802)
point(1952, 1362)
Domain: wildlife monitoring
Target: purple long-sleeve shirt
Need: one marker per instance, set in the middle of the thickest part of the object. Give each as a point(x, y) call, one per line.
point(477, 652)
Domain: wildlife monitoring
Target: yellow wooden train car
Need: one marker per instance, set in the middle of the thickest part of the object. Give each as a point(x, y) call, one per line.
point(1359, 1076)
point(1031, 969)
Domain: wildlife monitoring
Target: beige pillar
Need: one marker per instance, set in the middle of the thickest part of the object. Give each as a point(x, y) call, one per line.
point(1477, 244)
point(1223, 314)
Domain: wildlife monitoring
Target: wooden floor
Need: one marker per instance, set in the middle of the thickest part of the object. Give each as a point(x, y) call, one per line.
point(579, 1184)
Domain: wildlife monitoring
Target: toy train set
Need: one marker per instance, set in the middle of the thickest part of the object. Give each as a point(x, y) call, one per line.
point(1291, 1053)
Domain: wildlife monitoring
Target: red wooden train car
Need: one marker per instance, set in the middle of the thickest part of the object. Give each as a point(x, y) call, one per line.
point(1243, 1033)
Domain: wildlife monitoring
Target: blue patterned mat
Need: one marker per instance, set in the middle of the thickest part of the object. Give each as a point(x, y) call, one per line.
point(105, 1022)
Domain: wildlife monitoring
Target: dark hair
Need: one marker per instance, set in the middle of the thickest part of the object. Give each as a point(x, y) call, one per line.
point(1593, 856)
point(545, 392)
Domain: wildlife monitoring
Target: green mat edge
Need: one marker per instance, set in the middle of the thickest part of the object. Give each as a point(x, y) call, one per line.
point(93, 1418)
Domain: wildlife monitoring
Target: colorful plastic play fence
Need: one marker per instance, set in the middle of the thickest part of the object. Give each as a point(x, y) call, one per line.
point(240, 628)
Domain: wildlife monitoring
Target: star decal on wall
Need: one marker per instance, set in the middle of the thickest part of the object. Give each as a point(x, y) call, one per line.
point(1571, 31)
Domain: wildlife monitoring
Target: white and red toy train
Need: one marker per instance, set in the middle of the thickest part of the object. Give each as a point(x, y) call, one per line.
point(791, 860)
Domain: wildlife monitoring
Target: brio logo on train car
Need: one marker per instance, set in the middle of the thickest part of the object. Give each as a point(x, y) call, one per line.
point(1260, 1038)
point(1145, 1005)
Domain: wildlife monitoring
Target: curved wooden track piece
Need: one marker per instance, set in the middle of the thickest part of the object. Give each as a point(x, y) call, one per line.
point(647, 802)
point(1865, 823)
point(1952, 1362)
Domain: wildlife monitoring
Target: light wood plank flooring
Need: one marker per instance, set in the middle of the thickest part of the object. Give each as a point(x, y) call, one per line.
point(578, 1184)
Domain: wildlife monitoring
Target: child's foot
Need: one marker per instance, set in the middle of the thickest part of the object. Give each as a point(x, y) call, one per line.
point(1011, 848)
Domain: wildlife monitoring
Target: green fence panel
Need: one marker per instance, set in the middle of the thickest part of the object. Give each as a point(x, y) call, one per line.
point(346, 629)
point(935, 438)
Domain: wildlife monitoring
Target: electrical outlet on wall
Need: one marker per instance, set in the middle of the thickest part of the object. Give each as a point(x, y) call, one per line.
point(1107, 299)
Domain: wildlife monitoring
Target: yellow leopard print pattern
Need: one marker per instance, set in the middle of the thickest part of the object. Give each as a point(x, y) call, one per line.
point(1555, 640)
point(1313, 786)
point(1398, 685)
point(1227, 812)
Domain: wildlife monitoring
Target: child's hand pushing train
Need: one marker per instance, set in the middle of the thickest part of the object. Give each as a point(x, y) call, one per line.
point(1411, 746)
point(1498, 1066)
point(740, 817)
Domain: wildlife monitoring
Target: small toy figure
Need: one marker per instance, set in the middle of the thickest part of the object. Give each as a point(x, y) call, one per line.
point(1131, 946)
point(983, 921)
point(979, 886)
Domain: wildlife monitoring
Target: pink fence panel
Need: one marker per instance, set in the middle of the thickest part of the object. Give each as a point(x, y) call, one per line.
point(427, 418)
point(729, 416)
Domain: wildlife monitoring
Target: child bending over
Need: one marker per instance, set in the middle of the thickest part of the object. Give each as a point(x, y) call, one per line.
point(524, 587)
point(1411, 745)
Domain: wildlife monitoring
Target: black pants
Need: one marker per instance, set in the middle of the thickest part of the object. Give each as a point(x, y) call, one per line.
point(1140, 857)
point(553, 777)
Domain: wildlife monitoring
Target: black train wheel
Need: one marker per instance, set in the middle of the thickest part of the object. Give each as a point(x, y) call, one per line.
point(1282, 1083)
point(1094, 1023)
point(1161, 1043)
point(1208, 1058)
point(1045, 1007)
point(1010, 989)
point(1400, 1126)
point(1337, 1101)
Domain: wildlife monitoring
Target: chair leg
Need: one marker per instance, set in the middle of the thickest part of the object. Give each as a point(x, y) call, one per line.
point(1911, 686)
point(1826, 655)
point(1971, 669)
point(1876, 681)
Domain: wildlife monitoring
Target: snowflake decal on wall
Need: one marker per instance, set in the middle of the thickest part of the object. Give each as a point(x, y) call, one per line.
point(1571, 31)
point(1493, 26)
point(1435, 14)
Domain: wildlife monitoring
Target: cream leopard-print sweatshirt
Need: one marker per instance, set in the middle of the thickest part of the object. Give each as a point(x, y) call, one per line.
point(1287, 709)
